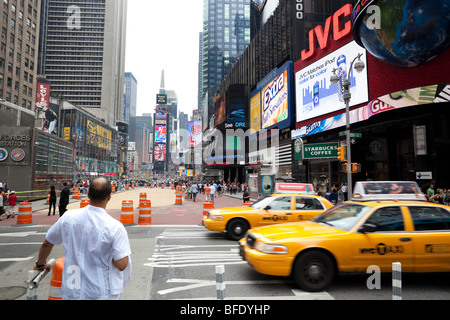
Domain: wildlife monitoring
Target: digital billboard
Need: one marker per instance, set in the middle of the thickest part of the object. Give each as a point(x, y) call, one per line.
point(161, 115)
point(219, 109)
point(255, 112)
point(160, 134)
point(317, 96)
point(160, 152)
point(275, 100)
point(195, 133)
point(271, 104)
point(161, 99)
point(236, 105)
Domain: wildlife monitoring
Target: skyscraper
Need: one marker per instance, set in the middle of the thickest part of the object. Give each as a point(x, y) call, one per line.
point(226, 34)
point(130, 97)
point(83, 53)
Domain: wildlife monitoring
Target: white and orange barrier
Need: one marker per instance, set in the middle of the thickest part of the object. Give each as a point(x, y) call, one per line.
point(145, 213)
point(56, 280)
point(127, 215)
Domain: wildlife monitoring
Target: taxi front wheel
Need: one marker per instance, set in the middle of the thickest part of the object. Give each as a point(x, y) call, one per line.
point(314, 271)
point(237, 229)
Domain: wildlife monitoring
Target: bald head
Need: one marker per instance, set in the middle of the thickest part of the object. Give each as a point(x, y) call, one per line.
point(99, 190)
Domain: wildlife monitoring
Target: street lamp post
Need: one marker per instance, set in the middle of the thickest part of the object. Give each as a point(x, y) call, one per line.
point(359, 67)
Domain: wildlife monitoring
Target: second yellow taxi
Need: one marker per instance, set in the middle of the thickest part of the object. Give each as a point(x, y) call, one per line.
point(385, 223)
point(291, 203)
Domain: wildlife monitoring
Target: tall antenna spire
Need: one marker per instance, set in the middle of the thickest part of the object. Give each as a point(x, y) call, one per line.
point(163, 84)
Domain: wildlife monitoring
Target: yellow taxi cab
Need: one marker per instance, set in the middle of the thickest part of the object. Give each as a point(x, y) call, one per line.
point(292, 202)
point(385, 222)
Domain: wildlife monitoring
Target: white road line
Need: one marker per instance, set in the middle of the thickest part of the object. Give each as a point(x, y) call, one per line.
point(21, 243)
point(156, 265)
point(177, 247)
point(206, 283)
point(15, 259)
point(303, 295)
point(23, 234)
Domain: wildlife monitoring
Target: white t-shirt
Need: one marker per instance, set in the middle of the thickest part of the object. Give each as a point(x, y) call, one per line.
point(91, 239)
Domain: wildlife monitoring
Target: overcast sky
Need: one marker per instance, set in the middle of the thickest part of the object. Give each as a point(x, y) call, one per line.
point(163, 35)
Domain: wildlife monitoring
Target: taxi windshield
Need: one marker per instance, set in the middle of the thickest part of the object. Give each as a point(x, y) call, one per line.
point(262, 203)
point(342, 217)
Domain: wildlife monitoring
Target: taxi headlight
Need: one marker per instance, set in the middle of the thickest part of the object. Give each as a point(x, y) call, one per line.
point(271, 248)
point(216, 218)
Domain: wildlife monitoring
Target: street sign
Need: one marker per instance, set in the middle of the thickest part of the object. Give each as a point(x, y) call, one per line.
point(424, 175)
point(352, 135)
point(317, 151)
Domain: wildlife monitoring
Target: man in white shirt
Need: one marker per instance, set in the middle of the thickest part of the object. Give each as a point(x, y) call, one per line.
point(96, 248)
point(213, 191)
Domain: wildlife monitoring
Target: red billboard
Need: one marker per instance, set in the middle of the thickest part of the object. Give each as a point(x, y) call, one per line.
point(43, 94)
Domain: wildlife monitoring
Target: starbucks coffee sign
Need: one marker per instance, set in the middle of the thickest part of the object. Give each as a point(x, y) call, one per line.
point(315, 151)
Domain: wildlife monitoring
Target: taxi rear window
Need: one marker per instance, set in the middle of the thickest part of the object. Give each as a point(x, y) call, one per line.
point(430, 218)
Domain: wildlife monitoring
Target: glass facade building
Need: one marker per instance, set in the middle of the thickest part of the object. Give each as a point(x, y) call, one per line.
point(97, 147)
point(226, 34)
point(130, 100)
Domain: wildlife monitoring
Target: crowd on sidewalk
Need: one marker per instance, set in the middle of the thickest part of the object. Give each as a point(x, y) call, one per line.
point(213, 189)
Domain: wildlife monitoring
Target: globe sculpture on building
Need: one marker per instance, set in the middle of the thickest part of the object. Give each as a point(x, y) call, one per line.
point(410, 33)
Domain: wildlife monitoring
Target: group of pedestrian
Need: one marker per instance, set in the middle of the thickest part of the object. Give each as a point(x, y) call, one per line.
point(63, 200)
point(336, 194)
point(441, 195)
point(211, 190)
point(235, 187)
point(8, 200)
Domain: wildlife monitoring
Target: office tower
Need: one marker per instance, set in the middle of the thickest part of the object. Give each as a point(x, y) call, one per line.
point(130, 100)
point(19, 51)
point(226, 34)
point(200, 71)
point(83, 53)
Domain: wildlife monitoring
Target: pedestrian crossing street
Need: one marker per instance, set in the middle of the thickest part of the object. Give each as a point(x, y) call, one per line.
point(170, 254)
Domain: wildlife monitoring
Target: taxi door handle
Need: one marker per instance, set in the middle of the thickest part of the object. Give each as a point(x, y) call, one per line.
point(405, 239)
point(289, 214)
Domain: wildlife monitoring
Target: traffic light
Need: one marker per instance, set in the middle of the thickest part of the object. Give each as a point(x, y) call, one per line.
point(341, 153)
point(356, 167)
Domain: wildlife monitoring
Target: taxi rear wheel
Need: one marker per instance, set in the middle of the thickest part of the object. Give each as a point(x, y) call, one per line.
point(314, 271)
point(237, 228)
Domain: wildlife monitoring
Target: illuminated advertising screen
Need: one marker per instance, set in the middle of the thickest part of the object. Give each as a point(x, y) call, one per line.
point(219, 110)
point(236, 105)
point(43, 94)
point(161, 115)
point(161, 99)
point(160, 133)
point(275, 100)
point(271, 104)
point(317, 96)
point(255, 112)
point(160, 152)
point(195, 133)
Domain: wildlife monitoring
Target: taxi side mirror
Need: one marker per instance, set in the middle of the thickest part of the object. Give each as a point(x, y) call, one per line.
point(368, 228)
point(267, 208)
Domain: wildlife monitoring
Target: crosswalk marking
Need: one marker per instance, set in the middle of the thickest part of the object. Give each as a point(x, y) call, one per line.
point(181, 256)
